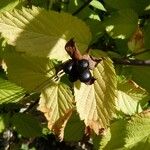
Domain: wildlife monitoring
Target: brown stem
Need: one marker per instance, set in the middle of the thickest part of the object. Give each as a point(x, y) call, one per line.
point(135, 62)
point(81, 7)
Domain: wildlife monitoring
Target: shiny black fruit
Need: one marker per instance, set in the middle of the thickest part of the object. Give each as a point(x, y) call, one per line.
point(85, 76)
point(82, 64)
point(68, 66)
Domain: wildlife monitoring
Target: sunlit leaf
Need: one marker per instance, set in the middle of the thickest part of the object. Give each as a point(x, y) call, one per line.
point(8, 5)
point(121, 24)
point(129, 95)
point(138, 131)
point(114, 137)
point(26, 125)
point(56, 102)
point(9, 92)
point(4, 122)
point(133, 134)
point(43, 33)
point(96, 103)
point(97, 4)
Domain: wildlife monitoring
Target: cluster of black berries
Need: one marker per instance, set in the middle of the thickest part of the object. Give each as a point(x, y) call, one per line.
point(78, 69)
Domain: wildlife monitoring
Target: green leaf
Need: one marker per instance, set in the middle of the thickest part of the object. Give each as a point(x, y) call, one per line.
point(43, 33)
point(26, 125)
point(138, 132)
point(97, 29)
point(133, 133)
point(129, 95)
point(84, 13)
point(140, 75)
point(96, 103)
point(32, 73)
point(9, 92)
point(74, 129)
point(121, 24)
point(147, 35)
point(97, 4)
point(115, 136)
point(137, 5)
point(4, 121)
point(8, 5)
point(56, 102)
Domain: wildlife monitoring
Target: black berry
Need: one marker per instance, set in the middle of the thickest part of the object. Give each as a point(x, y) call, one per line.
point(85, 76)
point(82, 64)
point(68, 66)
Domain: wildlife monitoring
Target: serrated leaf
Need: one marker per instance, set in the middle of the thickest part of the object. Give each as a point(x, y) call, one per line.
point(121, 24)
point(41, 33)
point(138, 130)
point(8, 5)
point(129, 95)
point(26, 125)
point(32, 73)
point(9, 92)
point(56, 101)
point(96, 103)
point(74, 129)
point(4, 121)
point(133, 133)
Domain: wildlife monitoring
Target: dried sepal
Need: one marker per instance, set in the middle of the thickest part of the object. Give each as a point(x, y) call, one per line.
point(72, 50)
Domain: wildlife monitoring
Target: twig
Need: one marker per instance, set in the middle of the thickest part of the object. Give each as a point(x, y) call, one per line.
point(132, 62)
point(81, 7)
point(135, 54)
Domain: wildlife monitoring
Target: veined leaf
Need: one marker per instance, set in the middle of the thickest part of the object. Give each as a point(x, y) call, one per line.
point(96, 103)
point(129, 95)
point(9, 92)
point(121, 24)
point(8, 5)
point(43, 33)
point(133, 134)
point(56, 101)
point(32, 73)
point(138, 132)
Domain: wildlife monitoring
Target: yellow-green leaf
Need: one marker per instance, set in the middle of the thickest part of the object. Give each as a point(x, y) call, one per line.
point(43, 33)
point(128, 97)
point(9, 92)
point(96, 103)
point(138, 132)
point(55, 102)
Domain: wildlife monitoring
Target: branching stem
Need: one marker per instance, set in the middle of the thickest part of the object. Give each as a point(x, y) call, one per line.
point(135, 62)
point(81, 7)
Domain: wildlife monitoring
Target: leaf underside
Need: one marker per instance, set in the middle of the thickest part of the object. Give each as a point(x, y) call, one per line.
point(40, 33)
point(96, 103)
